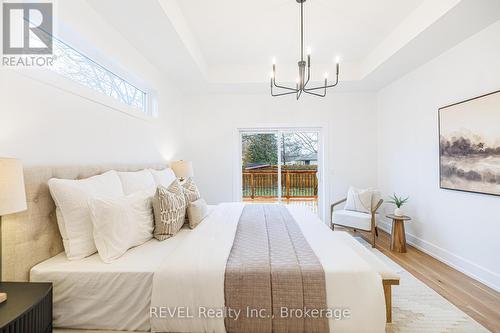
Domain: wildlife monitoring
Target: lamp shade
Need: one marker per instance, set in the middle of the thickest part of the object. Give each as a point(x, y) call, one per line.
point(12, 192)
point(183, 169)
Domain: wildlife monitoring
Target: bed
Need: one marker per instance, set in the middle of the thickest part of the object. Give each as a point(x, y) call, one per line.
point(90, 294)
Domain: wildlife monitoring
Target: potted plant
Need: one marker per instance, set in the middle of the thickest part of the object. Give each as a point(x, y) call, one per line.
point(399, 202)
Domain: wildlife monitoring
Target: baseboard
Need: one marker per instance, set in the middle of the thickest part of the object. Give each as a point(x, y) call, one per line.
point(463, 265)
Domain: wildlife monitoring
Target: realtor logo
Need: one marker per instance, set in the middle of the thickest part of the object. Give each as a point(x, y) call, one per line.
point(27, 28)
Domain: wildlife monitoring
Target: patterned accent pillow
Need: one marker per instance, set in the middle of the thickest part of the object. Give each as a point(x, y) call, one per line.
point(191, 192)
point(169, 205)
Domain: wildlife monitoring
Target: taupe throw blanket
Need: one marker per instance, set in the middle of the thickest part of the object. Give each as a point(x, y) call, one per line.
point(272, 271)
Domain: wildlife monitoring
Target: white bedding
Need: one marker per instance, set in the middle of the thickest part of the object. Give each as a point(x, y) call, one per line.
point(90, 294)
point(198, 283)
point(188, 270)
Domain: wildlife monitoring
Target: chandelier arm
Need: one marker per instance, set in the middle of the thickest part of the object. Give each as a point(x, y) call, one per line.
point(282, 87)
point(325, 86)
point(315, 94)
point(280, 94)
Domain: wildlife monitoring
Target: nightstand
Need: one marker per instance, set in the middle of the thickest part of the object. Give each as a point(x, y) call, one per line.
point(398, 237)
point(28, 307)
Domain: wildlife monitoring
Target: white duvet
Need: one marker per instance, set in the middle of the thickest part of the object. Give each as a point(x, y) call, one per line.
point(190, 281)
point(186, 272)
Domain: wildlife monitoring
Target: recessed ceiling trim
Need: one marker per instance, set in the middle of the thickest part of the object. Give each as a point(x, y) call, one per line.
point(422, 18)
point(178, 21)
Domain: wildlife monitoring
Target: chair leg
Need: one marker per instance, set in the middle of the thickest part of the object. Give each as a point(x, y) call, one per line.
point(376, 231)
point(373, 229)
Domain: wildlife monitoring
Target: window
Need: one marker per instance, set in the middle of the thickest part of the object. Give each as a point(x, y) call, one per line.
point(78, 67)
point(81, 69)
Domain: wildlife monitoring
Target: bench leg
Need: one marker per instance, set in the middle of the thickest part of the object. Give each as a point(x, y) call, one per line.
point(388, 302)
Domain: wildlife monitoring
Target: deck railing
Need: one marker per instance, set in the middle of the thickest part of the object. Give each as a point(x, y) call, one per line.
point(294, 183)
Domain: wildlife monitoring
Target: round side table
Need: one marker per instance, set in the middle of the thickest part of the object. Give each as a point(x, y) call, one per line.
point(398, 238)
point(28, 307)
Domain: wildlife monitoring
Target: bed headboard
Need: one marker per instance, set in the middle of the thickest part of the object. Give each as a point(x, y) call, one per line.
point(31, 237)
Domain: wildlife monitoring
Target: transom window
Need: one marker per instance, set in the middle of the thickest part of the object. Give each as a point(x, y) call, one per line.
point(78, 67)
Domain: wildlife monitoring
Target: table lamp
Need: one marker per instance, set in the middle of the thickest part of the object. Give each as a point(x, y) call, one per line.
point(182, 169)
point(12, 196)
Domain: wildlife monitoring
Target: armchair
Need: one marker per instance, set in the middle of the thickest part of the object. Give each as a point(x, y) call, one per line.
point(357, 220)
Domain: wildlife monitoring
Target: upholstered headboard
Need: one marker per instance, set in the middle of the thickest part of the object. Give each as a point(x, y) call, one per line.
point(31, 237)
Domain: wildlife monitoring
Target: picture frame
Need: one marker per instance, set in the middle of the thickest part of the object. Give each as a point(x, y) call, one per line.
point(469, 145)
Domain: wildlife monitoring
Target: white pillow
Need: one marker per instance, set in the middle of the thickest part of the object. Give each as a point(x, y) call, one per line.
point(163, 177)
point(197, 211)
point(137, 181)
point(359, 200)
point(376, 196)
point(121, 223)
point(73, 215)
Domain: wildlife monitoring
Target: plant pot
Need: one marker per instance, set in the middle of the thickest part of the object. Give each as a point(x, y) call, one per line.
point(398, 212)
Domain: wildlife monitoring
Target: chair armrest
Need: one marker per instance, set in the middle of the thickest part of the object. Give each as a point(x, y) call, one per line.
point(374, 210)
point(338, 203)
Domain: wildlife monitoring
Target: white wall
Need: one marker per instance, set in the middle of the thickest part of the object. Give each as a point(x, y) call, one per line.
point(459, 228)
point(45, 125)
point(210, 123)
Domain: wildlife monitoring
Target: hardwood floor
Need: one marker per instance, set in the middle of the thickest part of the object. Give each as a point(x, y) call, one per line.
point(472, 297)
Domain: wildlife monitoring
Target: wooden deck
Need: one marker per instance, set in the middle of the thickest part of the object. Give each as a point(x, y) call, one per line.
point(311, 204)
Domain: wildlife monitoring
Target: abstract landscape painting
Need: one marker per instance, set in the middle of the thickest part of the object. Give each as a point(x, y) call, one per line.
point(470, 145)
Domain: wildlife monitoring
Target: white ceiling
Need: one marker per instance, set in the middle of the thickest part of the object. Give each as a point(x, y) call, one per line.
point(227, 45)
point(243, 32)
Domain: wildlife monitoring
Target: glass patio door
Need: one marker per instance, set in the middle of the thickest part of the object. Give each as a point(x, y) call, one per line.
point(280, 166)
point(299, 168)
point(260, 167)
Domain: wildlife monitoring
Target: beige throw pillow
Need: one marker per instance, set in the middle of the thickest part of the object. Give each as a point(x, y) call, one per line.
point(191, 192)
point(359, 200)
point(197, 211)
point(169, 206)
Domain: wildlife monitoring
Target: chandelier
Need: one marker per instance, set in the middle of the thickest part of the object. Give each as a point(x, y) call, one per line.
point(303, 78)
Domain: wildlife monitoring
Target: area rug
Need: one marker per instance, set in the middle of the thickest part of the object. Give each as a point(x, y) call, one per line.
point(416, 308)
